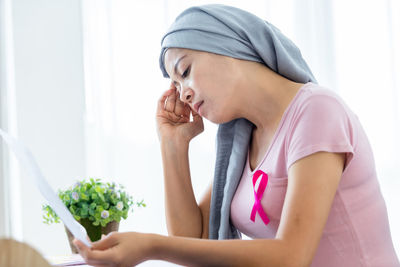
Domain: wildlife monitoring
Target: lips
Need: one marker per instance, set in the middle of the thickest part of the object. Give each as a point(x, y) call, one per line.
point(197, 106)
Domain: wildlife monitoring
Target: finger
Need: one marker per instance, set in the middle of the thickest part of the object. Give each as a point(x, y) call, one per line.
point(179, 106)
point(101, 257)
point(82, 249)
point(162, 99)
point(105, 243)
point(99, 264)
point(197, 119)
point(172, 117)
point(170, 102)
point(196, 116)
point(94, 257)
point(185, 116)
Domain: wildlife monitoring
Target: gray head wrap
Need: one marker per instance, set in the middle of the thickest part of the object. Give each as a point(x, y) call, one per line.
point(233, 32)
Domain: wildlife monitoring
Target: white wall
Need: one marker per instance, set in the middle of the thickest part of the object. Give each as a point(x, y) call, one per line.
point(49, 64)
point(3, 202)
point(3, 196)
point(6, 102)
point(2, 75)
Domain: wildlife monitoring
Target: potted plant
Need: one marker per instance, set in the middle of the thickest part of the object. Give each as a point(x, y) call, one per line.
point(96, 205)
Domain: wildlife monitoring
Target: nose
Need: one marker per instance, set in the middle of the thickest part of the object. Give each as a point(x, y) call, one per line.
point(186, 95)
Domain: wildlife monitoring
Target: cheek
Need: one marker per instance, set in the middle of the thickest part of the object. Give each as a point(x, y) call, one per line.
point(216, 91)
point(219, 112)
point(191, 83)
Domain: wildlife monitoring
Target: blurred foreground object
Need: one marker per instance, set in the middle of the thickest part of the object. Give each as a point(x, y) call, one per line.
point(18, 254)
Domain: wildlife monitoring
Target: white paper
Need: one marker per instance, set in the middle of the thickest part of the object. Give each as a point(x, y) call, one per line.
point(66, 260)
point(28, 162)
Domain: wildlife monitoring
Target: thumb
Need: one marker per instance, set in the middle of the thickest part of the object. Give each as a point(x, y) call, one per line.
point(197, 119)
point(106, 242)
point(196, 116)
point(79, 244)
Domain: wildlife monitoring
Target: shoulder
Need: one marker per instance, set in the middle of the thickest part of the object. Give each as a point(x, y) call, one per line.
point(320, 102)
point(319, 121)
point(317, 106)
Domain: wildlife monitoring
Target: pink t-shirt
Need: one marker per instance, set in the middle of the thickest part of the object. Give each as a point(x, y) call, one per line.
point(357, 231)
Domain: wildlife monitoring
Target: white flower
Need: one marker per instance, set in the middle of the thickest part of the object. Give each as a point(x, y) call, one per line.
point(120, 205)
point(105, 214)
point(118, 195)
point(75, 196)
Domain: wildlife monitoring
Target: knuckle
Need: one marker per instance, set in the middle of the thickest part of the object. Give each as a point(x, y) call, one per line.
point(112, 236)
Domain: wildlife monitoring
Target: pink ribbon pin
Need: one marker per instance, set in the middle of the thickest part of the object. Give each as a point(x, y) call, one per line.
point(258, 195)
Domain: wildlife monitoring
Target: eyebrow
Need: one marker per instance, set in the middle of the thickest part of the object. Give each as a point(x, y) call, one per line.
point(176, 64)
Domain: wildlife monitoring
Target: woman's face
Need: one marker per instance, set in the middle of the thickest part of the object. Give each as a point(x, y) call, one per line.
point(205, 81)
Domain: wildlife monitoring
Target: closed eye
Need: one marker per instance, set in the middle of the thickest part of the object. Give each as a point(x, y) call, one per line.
point(185, 73)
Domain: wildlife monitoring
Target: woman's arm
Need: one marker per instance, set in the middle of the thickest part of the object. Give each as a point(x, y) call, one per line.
point(184, 216)
point(311, 188)
point(204, 206)
point(175, 130)
point(182, 213)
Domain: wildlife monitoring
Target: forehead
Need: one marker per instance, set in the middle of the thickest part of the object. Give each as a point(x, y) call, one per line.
point(175, 52)
point(172, 55)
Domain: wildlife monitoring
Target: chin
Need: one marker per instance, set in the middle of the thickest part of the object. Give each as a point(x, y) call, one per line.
point(221, 119)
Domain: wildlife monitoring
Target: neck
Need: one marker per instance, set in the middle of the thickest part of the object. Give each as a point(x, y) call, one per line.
point(266, 93)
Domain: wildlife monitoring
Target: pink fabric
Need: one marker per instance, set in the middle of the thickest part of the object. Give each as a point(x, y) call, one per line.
point(357, 231)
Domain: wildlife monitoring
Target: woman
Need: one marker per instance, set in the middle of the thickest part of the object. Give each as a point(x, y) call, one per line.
point(294, 168)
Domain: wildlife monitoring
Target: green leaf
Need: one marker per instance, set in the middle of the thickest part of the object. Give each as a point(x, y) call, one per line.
point(84, 212)
point(72, 209)
point(98, 189)
point(94, 197)
point(83, 196)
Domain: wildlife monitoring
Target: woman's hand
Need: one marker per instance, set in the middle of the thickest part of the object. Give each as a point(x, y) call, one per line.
point(117, 249)
point(173, 118)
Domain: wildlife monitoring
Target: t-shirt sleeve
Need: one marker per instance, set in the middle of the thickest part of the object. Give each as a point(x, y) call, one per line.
point(320, 124)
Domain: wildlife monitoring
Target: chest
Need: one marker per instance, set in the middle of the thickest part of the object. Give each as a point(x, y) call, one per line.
point(271, 200)
point(266, 153)
point(259, 146)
